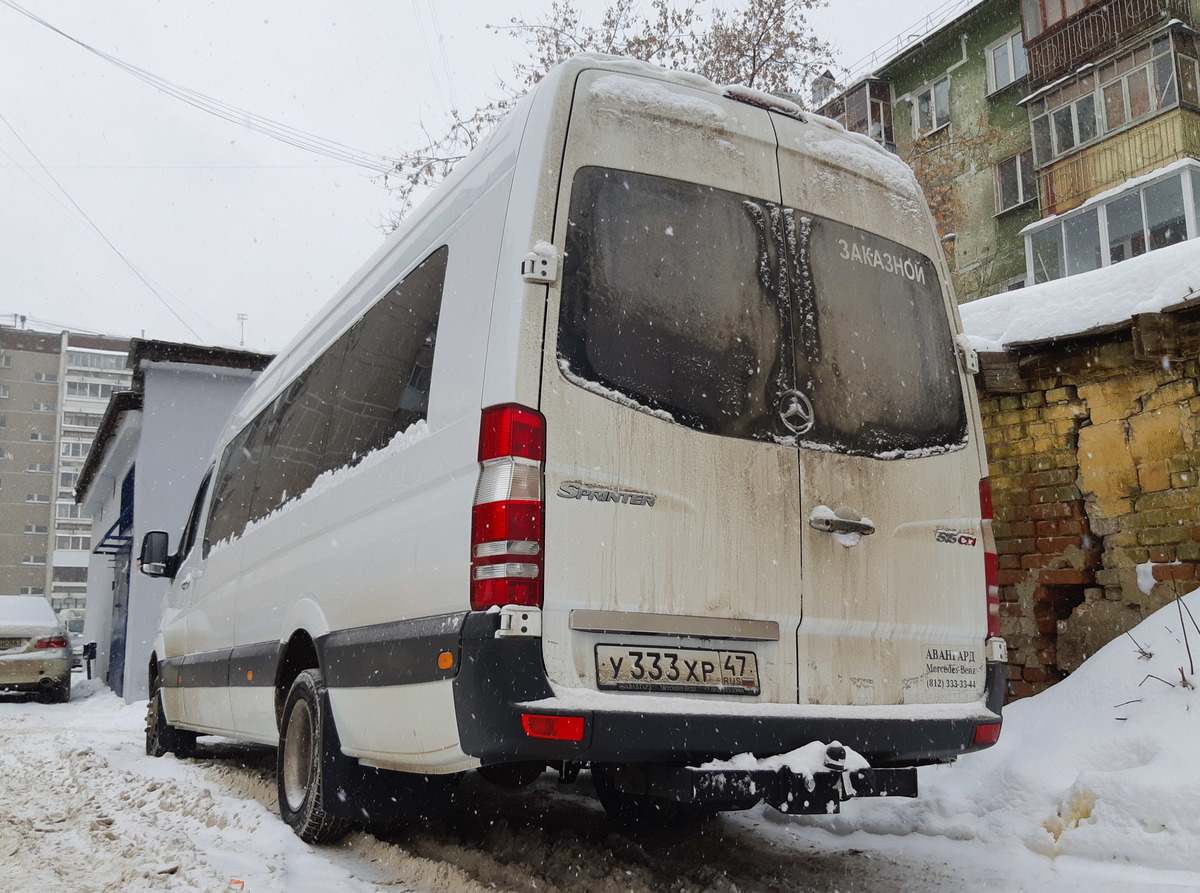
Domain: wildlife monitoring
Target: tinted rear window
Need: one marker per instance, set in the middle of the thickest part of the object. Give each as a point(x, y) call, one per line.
point(740, 317)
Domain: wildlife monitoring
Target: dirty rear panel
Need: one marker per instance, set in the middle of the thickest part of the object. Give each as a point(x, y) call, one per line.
point(729, 362)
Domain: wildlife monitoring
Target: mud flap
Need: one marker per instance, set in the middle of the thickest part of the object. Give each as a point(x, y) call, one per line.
point(365, 795)
point(801, 794)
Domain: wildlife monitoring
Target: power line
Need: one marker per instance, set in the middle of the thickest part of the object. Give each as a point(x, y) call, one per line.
point(380, 164)
point(100, 233)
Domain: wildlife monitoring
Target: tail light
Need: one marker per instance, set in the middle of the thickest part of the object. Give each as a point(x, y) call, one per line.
point(506, 521)
point(52, 642)
point(991, 563)
point(555, 728)
point(987, 734)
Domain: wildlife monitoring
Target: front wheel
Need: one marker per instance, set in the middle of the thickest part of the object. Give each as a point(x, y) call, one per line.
point(161, 737)
point(299, 764)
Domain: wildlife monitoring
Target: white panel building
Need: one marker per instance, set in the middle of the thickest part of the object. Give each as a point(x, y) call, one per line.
point(149, 455)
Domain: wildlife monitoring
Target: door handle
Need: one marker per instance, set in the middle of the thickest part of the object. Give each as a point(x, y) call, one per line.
point(844, 520)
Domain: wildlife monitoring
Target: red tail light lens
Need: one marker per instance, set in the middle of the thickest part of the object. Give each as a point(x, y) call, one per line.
point(52, 642)
point(991, 562)
point(556, 728)
point(512, 430)
point(506, 521)
point(987, 735)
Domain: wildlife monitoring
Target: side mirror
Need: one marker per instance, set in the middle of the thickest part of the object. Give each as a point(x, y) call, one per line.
point(155, 560)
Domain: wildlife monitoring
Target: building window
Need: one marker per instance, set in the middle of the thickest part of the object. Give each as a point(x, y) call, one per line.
point(75, 449)
point(3, 391)
point(90, 389)
point(37, 497)
point(1006, 62)
point(933, 106)
point(45, 376)
point(1016, 181)
point(39, 467)
point(33, 590)
point(82, 419)
point(33, 559)
point(37, 529)
point(41, 438)
point(90, 360)
point(1122, 92)
point(73, 543)
point(68, 511)
point(5, 361)
point(45, 407)
point(3, 421)
point(1147, 218)
point(1040, 15)
point(865, 109)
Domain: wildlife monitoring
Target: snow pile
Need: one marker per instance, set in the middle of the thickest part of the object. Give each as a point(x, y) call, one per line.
point(1101, 767)
point(1077, 304)
point(805, 761)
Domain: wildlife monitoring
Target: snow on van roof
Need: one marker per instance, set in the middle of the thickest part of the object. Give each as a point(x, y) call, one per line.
point(641, 95)
point(1093, 302)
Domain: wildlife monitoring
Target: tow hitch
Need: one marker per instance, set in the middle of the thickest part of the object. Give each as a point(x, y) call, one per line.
point(819, 791)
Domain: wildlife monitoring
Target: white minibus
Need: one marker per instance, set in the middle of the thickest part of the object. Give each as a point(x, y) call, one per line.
point(646, 444)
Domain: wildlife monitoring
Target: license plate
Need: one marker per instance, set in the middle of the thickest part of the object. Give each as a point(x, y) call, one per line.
point(676, 670)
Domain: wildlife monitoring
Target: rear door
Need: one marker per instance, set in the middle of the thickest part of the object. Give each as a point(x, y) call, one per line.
point(899, 615)
point(673, 534)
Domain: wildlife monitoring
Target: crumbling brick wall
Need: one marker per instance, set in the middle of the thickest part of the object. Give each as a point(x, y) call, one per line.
point(1094, 473)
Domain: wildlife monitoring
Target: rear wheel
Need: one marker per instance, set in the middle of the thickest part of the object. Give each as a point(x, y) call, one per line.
point(640, 812)
point(300, 765)
point(61, 693)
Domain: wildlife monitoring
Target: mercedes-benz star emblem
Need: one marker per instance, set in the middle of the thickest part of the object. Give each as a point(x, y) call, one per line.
point(796, 411)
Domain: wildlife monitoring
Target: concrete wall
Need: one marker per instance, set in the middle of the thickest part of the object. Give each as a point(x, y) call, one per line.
point(1094, 473)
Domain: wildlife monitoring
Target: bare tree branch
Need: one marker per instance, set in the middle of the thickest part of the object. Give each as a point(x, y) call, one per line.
point(765, 44)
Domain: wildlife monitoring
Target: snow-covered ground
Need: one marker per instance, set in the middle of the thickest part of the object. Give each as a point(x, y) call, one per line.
point(1095, 786)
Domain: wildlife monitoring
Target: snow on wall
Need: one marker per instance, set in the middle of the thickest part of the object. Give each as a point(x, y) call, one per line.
point(1078, 304)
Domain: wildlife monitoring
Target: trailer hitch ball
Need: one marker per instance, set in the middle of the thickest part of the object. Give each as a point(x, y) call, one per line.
point(835, 758)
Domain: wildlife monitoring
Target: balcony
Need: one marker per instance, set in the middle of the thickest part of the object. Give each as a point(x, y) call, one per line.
point(1129, 154)
point(1095, 30)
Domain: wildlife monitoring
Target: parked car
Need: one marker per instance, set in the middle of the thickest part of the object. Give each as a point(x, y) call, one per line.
point(646, 444)
point(35, 652)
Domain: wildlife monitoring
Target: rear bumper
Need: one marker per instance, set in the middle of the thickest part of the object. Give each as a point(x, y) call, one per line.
point(499, 679)
point(34, 671)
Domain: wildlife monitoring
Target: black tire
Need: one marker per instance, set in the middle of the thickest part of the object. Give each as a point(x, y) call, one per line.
point(299, 769)
point(161, 737)
point(62, 692)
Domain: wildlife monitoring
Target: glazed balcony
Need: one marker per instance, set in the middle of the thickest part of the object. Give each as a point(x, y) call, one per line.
point(1102, 26)
point(1124, 156)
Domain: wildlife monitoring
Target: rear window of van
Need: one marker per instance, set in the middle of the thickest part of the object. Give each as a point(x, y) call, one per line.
point(740, 317)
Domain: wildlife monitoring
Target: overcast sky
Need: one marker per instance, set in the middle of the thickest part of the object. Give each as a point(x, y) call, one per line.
point(218, 219)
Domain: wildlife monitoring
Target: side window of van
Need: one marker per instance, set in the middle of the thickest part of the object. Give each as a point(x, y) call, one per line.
point(369, 385)
point(191, 528)
point(233, 488)
point(384, 385)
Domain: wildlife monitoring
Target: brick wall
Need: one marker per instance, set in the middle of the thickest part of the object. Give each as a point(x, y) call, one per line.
point(1093, 474)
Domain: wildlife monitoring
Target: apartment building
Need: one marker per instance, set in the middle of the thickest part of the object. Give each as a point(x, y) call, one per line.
point(1051, 137)
point(54, 388)
point(948, 102)
point(1114, 107)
